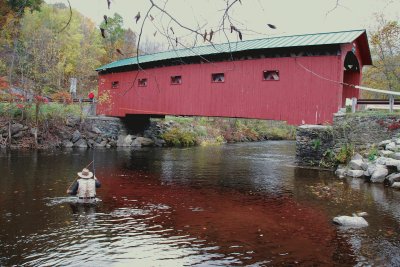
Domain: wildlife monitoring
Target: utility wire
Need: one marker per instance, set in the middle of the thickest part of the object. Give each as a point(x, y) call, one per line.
point(347, 84)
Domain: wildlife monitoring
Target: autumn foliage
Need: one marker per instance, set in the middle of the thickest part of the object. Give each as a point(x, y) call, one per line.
point(3, 83)
point(62, 96)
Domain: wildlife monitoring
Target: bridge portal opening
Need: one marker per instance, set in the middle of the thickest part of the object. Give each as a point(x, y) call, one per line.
point(351, 76)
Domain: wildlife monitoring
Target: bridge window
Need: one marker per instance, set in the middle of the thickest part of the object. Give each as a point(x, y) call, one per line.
point(142, 82)
point(114, 84)
point(218, 77)
point(271, 75)
point(176, 79)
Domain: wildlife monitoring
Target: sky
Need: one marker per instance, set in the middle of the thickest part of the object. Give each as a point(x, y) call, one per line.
point(251, 17)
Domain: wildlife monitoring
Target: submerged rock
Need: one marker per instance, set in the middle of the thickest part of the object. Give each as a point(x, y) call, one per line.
point(350, 221)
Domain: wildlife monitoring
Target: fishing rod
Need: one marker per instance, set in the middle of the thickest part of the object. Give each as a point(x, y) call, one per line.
point(69, 187)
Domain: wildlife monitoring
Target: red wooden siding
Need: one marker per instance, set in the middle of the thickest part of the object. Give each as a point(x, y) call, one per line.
point(352, 77)
point(298, 97)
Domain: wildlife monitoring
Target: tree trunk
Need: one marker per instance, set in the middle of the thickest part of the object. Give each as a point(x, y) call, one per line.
point(9, 133)
point(37, 109)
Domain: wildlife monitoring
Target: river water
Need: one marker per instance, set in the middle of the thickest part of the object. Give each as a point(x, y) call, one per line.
point(232, 205)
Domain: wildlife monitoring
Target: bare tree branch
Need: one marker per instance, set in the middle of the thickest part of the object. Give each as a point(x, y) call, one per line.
point(69, 20)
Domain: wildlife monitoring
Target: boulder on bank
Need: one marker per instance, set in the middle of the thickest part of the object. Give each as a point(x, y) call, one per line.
point(392, 178)
point(357, 156)
point(67, 144)
point(96, 130)
point(355, 173)
point(384, 143)
point(101, 144)
point(350, 221)
point(142, 141)
point(16, 128)
point(391, 146)
point(386, 153)
point(396, 185)
point(379, 175)
point(358, 164)
point(81, 143)
point(72, 121)
point(340, 172)
point(76, 136)
point(124, 140)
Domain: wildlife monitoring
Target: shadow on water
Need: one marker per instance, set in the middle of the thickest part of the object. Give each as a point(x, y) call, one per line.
point(242, 204)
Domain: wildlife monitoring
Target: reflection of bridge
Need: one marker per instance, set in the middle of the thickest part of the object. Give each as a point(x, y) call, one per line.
point(298, 79)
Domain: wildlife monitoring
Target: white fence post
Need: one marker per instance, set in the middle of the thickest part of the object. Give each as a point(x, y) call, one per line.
point(391, 103)
point(353, 105)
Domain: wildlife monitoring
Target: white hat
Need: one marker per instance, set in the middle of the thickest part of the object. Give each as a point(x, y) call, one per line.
point(85, 173)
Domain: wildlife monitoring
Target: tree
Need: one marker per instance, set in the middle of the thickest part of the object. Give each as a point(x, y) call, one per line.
point(385, 49)
point(16, 8)
point(114, 36)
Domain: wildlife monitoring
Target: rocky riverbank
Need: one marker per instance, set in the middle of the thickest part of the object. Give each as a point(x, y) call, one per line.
point(95, 132)
point(380, 165)
point(107, 132)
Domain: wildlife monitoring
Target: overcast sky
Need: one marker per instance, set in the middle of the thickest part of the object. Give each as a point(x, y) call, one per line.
point(289, 16)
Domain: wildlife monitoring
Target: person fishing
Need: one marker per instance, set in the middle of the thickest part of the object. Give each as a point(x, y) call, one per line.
point(85, 187)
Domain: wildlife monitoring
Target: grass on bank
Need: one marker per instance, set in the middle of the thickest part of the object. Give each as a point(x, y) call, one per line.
point(48, 111)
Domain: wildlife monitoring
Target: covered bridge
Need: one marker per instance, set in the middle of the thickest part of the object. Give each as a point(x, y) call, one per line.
point(295, 78)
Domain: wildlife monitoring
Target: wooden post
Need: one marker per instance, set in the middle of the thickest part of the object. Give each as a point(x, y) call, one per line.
point(94, 103)
point(353, 105)
point(391, 103)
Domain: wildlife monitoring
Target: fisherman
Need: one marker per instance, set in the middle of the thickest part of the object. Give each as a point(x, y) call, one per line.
point(85, 187)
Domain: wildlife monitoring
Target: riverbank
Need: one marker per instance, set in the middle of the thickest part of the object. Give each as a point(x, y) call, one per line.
point(66, 126)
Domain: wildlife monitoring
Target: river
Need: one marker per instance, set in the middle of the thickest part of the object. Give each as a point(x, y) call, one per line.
point(231, 205)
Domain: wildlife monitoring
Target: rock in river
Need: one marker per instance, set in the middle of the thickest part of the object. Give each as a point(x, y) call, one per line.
point(350, 221)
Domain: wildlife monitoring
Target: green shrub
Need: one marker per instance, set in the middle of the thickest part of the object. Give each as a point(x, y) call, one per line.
point(345, 154)
point(328, 159)
point(373, 153)
point(316, 144)
point(179, 137)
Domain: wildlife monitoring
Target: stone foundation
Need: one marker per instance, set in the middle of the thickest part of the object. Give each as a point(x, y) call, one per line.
point(313, 142)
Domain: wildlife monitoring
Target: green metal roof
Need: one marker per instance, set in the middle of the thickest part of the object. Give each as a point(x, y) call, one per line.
point(265, 43)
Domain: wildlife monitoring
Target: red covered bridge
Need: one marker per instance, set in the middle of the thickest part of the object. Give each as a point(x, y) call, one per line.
point(296, 78)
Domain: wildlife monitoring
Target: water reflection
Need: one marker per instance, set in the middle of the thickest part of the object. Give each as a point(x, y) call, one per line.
point(242, 204)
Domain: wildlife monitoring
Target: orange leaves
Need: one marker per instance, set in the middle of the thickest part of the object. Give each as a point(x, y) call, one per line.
point(63, 97)
point(3, 83)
